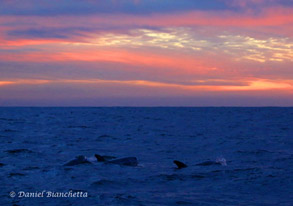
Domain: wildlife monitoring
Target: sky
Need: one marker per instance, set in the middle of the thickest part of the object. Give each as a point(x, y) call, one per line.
point(146, 53)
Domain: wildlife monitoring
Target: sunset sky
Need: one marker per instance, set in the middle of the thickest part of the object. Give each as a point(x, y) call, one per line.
point(146, 53)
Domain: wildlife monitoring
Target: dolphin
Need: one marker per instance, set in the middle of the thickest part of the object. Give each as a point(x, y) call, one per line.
point(77, 161)
point(219, 161)
point(103, 158)
point(179, 164)
point(127, 161)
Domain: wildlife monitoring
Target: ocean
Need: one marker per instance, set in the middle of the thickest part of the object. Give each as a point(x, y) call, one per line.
point(256, 145)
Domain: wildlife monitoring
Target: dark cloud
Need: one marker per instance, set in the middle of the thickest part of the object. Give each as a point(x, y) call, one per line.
point(141, 7)
point(31, 33)
point(58, 33)
point(85, 7)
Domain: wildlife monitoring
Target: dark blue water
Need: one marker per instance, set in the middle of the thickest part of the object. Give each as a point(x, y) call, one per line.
point(257, 144)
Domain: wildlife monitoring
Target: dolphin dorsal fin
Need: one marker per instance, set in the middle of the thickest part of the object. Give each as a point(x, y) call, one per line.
point(100, 158)
point(179, 164)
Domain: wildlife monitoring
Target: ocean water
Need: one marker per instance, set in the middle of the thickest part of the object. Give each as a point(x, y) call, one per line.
point(257, 144)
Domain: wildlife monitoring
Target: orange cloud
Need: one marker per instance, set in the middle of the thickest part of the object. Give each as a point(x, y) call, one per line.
point(260, 84)
point(170, 62)
point(4, 83)
point(27, 42)
point(24, 81)
point(253, 85)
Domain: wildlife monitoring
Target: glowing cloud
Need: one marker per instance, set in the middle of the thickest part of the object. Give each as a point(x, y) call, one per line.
point(192, 47)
